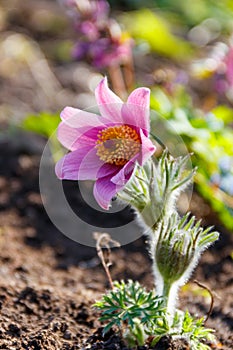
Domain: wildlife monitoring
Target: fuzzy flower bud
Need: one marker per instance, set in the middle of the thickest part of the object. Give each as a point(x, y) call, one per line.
point(179, 245)
point(176, 249)
point(154, 189)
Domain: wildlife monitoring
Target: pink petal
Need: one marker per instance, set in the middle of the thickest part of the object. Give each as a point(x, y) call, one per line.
point(107, 169)
point(136, 112)
point(71, 131)
point(104, 191)
point(73, 138)
point(76, 118)
point(109, 104)
point(82, 164)
point(123, 176)
point(140, 97)
point(147, 149)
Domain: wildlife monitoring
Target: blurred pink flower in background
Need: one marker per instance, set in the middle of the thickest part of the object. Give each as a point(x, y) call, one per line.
point(229, 66)
point(101, 41)
point(224, 70)
point(106, 147)
point(102, 52)
point(219, 66)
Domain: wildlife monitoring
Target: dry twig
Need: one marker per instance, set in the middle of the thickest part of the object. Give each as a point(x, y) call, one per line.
point(104, 241)
point(211, 298)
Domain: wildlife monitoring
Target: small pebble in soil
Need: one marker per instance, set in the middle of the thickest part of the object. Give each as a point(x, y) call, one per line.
point(14, 329)
point(67, 335)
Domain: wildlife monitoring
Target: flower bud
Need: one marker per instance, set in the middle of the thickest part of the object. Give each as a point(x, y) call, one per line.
point(178, 246)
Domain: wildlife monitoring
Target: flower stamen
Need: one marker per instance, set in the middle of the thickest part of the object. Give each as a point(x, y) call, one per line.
point(118, 144)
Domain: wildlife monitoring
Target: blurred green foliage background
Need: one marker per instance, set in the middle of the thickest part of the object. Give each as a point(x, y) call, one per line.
point(181, 52)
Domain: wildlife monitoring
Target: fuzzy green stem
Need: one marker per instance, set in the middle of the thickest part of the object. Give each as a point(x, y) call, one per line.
point(170, 294)
point(166, 292)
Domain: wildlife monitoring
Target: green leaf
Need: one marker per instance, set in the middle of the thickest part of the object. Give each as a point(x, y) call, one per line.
point(44, 124)
point(130, 305)
point(148, 26)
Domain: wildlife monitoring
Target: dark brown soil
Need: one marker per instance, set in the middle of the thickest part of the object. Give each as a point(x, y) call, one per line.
point(48, 282)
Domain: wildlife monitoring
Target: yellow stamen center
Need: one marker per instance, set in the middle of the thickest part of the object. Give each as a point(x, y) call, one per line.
point(118, 144)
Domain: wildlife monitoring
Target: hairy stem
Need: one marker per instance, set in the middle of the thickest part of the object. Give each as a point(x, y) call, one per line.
point(170, 291)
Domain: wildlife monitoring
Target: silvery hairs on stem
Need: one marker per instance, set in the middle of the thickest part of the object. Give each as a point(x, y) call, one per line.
point(175, 243)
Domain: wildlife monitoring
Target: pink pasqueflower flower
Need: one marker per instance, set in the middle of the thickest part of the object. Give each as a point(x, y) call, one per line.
point(113, 53)
point(106, 147)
